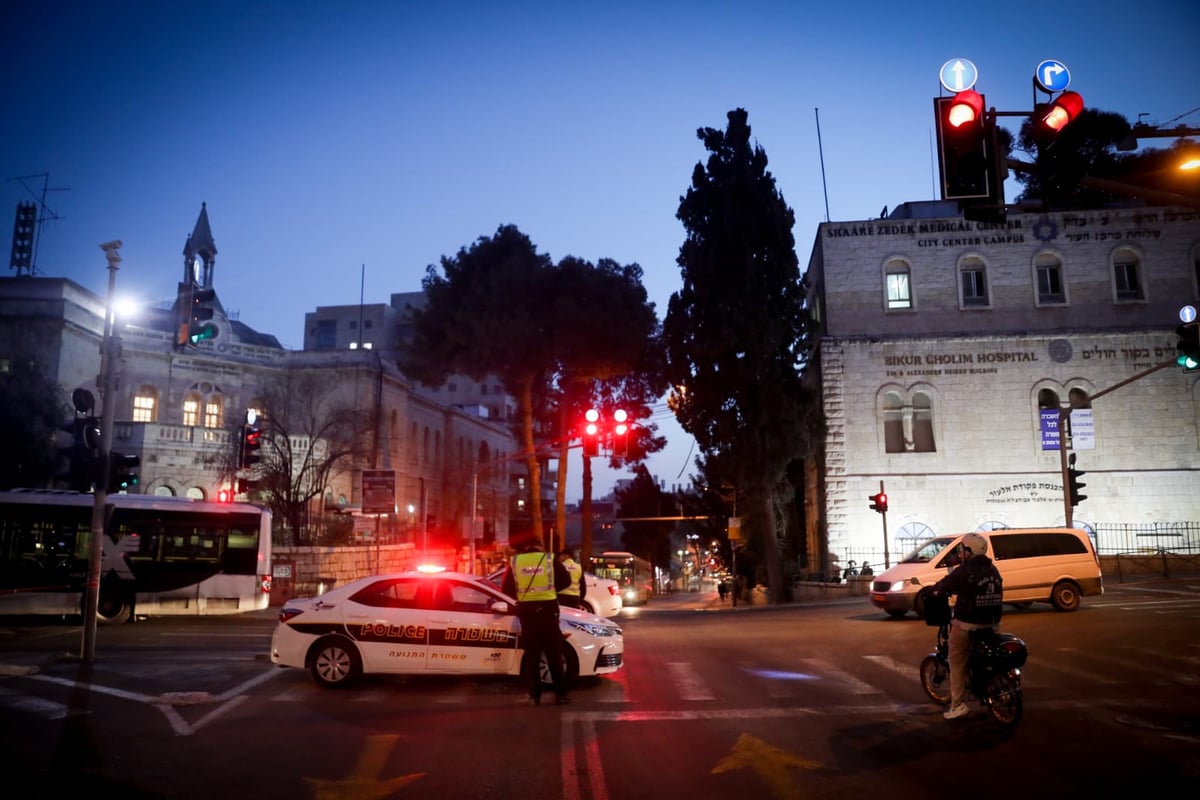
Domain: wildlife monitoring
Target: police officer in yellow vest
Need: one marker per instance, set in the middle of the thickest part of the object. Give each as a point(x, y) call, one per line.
point(534, 578)
point(573, 595)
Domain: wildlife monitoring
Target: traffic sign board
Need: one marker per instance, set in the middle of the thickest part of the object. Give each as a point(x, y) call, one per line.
point(958, 75)
point(1052, 76)
point(1187, 314)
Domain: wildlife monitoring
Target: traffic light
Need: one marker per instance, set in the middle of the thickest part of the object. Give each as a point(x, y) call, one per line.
point(122, 472)
point(591, 432)
point(83, 454)
point(250, 453)
point(246, 485)
point(1188, 347)
point(878, 502)
point(195, 306)
point(1074, 484)
point(620, 432)
point(966, 155)
point(1050, 118)
point(224, 495)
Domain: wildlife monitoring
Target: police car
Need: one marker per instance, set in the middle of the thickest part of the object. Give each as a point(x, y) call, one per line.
point(428, 622)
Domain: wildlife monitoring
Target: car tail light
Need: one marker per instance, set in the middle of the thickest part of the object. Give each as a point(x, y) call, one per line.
point(614, 590)
point(286, 614)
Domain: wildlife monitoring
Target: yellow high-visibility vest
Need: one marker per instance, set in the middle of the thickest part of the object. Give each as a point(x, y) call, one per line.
point(534, 576)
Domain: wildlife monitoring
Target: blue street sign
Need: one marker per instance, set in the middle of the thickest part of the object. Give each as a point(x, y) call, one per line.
point(958, 75)
point(1052, 76)
point(1187, 314)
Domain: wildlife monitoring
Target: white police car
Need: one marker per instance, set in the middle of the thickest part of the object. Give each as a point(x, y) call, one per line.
point(419, 622)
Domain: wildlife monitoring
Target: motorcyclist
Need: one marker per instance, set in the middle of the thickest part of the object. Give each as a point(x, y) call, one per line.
point(979, 588)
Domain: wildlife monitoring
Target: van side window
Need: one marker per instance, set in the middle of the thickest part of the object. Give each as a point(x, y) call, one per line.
point(1015, 545)
point(1060, 544)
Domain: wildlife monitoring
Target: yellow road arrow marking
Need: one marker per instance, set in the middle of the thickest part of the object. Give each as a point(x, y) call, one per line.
point(772, 764)
point(363, 782)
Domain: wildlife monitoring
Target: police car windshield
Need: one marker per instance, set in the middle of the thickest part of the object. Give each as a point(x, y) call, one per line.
point(928, 551)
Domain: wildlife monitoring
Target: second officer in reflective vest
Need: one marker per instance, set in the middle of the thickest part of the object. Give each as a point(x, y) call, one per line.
point(534, 578)
point(577, 589)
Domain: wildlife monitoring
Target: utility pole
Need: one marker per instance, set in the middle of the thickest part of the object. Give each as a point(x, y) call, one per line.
point(108, 386)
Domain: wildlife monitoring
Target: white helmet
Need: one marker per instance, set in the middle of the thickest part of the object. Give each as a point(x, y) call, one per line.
point(974, 544)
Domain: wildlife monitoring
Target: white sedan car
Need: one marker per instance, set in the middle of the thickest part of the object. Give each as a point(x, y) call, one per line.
point(416, 622)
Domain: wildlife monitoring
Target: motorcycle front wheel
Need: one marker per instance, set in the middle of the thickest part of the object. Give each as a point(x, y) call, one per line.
point(1005, 700)
point(935, 679)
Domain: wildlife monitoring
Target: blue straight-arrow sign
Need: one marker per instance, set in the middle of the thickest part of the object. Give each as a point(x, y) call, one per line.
point(958, 75)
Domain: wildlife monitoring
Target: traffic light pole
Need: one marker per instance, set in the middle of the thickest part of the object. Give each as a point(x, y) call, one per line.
point(108, 386)
point(1064, 414)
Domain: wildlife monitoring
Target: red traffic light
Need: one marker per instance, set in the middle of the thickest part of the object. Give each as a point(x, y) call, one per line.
point(879, 502)
point(965, 109)
point(1058, 115)
point(224, 496)
point(621, 418)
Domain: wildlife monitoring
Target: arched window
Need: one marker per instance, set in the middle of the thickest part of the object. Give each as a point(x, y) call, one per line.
point(1127, 276)
point(214, 411)
point(897, 276)
point(191, 410)
point(145, 404)
point(908, 423)
point(893, 423)
point(973, 284)
point(1048, 275)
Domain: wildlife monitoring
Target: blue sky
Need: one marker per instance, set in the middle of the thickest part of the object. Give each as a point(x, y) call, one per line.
point(335, 138)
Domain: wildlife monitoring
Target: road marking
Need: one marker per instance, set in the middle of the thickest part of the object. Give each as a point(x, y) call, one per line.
point(857, 686)
point(687, 681)
point(902, 668)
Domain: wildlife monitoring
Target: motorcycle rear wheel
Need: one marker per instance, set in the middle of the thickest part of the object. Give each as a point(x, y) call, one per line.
point(935, 679)
point(1005, 700)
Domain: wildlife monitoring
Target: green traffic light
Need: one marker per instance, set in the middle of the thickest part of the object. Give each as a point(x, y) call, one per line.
point(1187, 362)
point(202, 333)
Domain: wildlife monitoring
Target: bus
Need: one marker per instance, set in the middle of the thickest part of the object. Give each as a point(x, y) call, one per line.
point(161, 555)
point(634, 575)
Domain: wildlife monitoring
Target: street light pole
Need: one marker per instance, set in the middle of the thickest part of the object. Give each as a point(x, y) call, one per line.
point(108, 385)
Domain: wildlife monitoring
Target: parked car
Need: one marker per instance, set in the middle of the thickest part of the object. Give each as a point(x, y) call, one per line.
point(418, 622)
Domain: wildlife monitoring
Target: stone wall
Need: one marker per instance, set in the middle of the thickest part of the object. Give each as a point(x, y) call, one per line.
point(308, 571)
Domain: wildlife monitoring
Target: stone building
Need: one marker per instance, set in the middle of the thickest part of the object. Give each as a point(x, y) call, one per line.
point(948, 347)
point(180, 408)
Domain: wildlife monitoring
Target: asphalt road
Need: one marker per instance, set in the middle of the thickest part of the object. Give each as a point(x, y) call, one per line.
point(817, 700)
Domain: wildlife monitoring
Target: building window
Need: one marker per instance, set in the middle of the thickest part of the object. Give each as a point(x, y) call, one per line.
point(144, 404)
point(1049, 280)
point(1127, 278)
point(908, 423)
point(212, 412)
point(899, 286)
point(326, 334)
point(191, 410)
point(973, 279)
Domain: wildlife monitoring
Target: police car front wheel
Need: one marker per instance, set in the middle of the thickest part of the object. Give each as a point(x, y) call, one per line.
point(334, 663)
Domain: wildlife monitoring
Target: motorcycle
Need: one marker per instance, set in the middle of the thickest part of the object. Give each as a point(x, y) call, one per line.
point(993, 666)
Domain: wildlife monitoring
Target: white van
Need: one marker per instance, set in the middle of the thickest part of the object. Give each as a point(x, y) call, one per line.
point(1053, 565)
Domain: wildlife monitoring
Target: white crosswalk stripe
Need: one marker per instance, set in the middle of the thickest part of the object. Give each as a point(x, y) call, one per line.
point(29, 704)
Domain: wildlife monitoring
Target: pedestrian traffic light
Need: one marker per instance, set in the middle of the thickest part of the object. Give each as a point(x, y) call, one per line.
point(965, 147)
point(591, 432)
point(250, 452)
point(878, 502)
point(1051, 118)
point(1074, 484)
point(123, 472)
point(224, 495)
point(1188, 347)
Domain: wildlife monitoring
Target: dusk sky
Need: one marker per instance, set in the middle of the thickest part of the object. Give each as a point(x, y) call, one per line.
point(331, 139)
